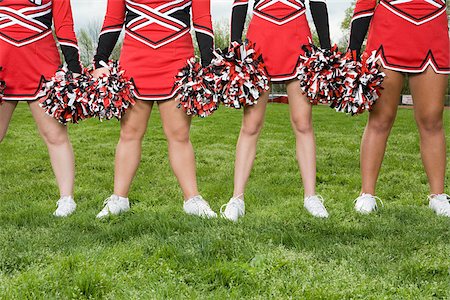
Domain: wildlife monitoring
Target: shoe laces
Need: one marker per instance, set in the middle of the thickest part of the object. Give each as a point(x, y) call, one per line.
point(62, 200)
point(377, 199)
point(433, 196)
point(316, 204)
point(233, 203)
point(201, 204)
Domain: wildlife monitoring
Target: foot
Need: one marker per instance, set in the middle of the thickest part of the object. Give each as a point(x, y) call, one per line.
point(440, 204)
point(234, 209)
point(366, 203)
point(314, 205)
point(65, 207)
point(114, 205)
point(197, 206)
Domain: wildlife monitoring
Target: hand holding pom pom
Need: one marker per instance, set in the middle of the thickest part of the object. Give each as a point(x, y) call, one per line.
point(196, 92)
point(361, 84)
point(63, 97)
point(241, 77)
point(319, 74)
point(110, 92)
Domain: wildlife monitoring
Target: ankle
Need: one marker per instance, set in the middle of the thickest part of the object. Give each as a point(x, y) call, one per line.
point(121, 198)
point(239, 196)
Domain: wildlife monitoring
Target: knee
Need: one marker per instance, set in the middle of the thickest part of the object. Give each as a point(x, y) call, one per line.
point(381, 125)
point(302, 126)
point(131, 134)
point(430, 124)
point(251, 129)
point(55, 139)
point(178, 135)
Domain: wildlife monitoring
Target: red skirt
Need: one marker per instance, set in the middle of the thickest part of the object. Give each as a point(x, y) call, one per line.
point(410, 37)
point(153, 71)
point(280, 45)
point(25, 67)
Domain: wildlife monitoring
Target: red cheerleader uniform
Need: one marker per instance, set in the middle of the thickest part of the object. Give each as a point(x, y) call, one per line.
point(157, 41)
point(407, 35)
point(28, 51)
point(279, 29)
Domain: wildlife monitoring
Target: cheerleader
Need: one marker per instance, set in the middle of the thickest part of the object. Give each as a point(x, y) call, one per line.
point(157, 45)
point(28, 55)
point(279, 29)
point(408, 37)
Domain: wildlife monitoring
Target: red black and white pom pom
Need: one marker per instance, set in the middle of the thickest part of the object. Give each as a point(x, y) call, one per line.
point(319, 74)
point(361, 86)
point(62, 98)
point(2, 89)
point(111, 95)
point(241, 76)
point(196, 93)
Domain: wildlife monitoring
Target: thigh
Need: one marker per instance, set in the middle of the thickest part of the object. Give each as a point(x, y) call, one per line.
point(174, 119)
point(428, 91)
point(299, 105)
point(6, 111)
point(387, 104)
point(136, 118)
point(254, 115)
point(47, 125)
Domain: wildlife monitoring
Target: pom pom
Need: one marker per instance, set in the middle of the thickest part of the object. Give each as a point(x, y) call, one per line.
point(61, 97)
point(110, 95)
point(196, 92)
point(2, 89)
point(361, 86)
point(319, 74)
point(241, 76)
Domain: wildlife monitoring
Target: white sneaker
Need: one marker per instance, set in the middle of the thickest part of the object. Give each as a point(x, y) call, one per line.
point(366, 203)
point(197, 206)
point(440, 204)
point(314, 205)
point(234, 209)
point(114, 205)
point(65, 207)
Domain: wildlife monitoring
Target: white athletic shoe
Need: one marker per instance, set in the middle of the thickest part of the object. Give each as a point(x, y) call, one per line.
point(366, 203)
point(234, 209)
point(114, 205)
point(197, 206)
point(65, 207)
point(314, 205)
point(440, 204)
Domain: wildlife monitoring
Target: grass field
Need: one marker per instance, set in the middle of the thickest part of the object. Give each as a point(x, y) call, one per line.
point(277, 251)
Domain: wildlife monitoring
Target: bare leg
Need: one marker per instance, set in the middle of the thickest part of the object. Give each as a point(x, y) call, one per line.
point(181, 153)
point(6, 111)
point(129, 148)
point(428, 90)
point(59, 148)
point(301, 120)
point(252, 124)
point(381, 119)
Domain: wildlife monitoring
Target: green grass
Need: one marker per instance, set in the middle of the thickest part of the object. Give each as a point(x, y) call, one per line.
point(277, 251)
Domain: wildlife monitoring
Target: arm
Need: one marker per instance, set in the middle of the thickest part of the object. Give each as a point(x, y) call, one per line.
point(362, 16)
point(63, 22)
point(319, 12)
point(112, 27)
point(238, 17)
point(201, 17)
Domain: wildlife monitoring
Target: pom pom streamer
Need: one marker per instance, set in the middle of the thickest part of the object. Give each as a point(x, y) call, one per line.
point(110, 95)
point(241, 76)
point(319, 74)
point(361, 84)
point(197, 89)
point(62, 97)
point(2, 89)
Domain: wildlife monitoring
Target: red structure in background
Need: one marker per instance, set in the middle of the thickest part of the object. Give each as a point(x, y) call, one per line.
point(278, 99)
